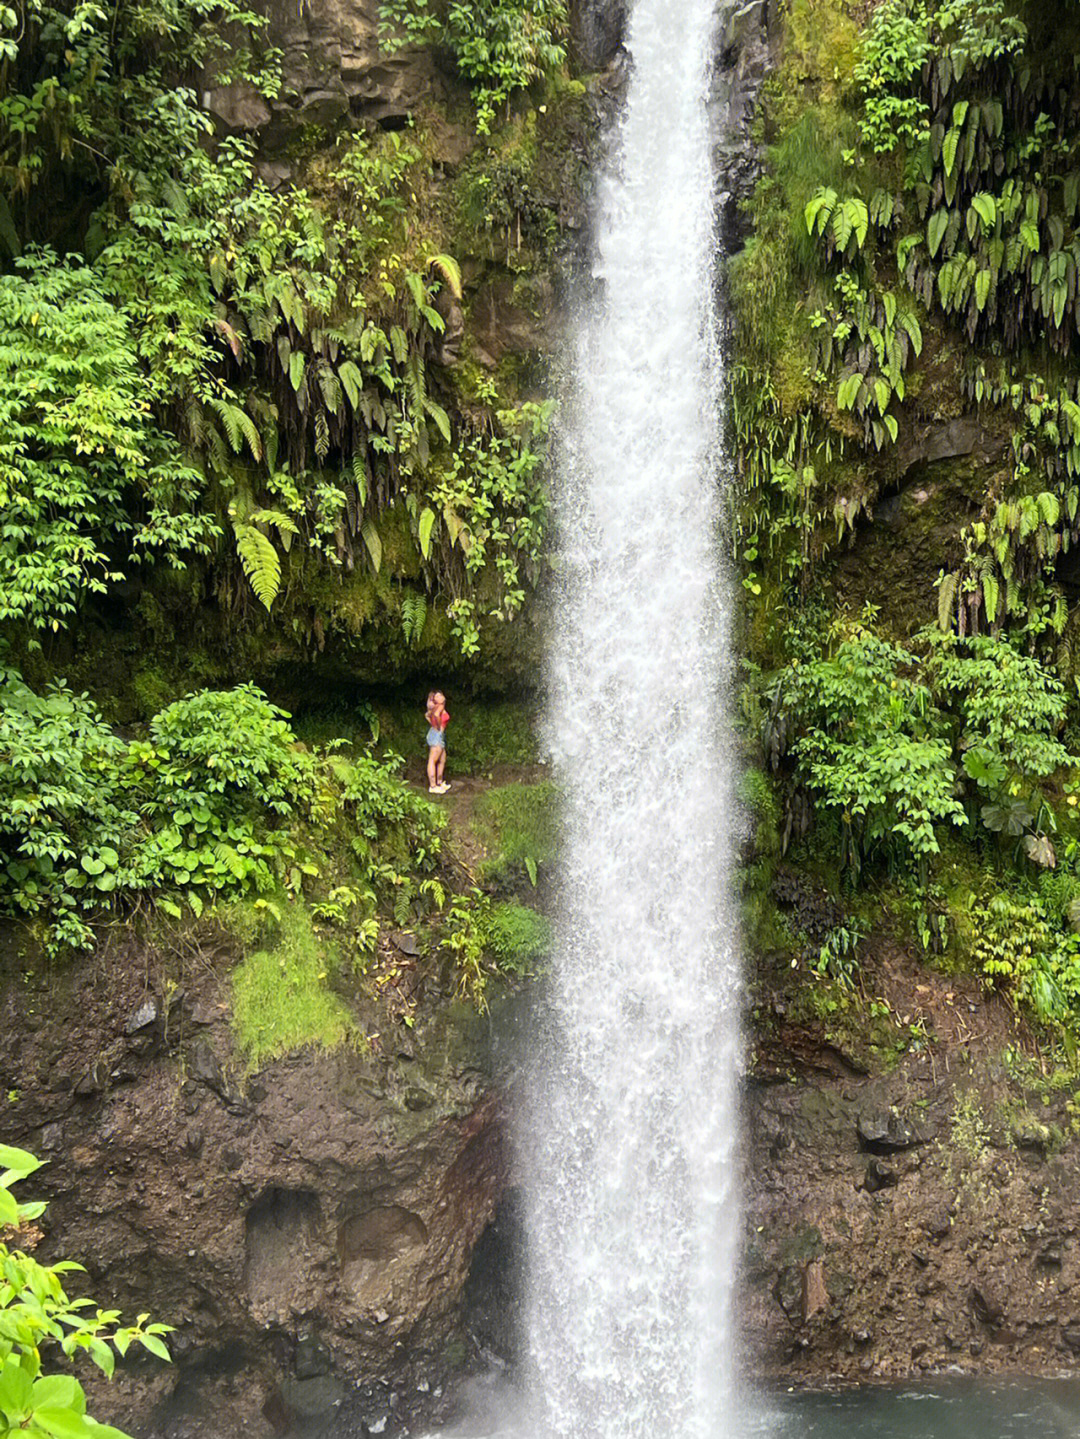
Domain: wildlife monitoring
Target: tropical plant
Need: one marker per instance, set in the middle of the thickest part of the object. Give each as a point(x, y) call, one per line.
point(499, 46)
point(872, 746)
point(37, 1317)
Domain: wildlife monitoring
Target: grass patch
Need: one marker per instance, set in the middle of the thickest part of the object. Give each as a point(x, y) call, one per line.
point(281, 998)
point(519, 936)
point(517, 823)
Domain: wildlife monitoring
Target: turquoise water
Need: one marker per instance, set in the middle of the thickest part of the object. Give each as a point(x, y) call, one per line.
point(960, 1408)
point(953, 1409)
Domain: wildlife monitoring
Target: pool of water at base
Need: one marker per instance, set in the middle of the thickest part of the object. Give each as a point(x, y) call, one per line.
point(953, 1407)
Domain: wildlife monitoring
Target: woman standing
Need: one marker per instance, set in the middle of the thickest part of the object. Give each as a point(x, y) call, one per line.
point(437, 719)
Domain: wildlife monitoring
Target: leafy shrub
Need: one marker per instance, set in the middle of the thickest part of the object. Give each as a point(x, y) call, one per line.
point(1019, 946)
point(895, 47)
point(1010, 705)
point(88, 821)
point(221, 747)
point(518, 936)
point(872, 745)
point(902, 37)
point(499, 45)
point(61, 801)
point(36, 1316)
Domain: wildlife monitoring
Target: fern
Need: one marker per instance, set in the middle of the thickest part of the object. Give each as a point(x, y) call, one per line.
point(330, 386)
point(946, 596)
point(260, 562)
point(403, 904)
point(284, 524)
point(450, 271)
point(370, 536)
point(239, 426)
point(322, 434)
point(413, 615)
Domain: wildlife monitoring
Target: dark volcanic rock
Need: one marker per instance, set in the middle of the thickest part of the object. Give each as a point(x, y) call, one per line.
point(322, 1237)
point(878, 1176)
point(885, 1133)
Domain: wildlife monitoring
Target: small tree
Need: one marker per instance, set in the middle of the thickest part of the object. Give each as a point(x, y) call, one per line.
point(35, 1313)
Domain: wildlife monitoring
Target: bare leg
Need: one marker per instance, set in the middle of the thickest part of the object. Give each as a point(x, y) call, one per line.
point(440, 764)
point(434, 750)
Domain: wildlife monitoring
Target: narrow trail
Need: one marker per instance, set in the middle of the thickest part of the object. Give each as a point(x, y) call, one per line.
point(460, 802)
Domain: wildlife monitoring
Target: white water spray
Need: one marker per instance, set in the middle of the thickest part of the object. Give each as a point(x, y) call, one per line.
point(627, 1139)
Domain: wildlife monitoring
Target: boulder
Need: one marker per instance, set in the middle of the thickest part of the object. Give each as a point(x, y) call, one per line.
point(883, 1132)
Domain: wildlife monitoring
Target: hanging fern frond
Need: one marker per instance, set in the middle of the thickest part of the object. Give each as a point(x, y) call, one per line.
point(370, 535)
point(413, 615)
point(260, 562)
point(330, 386)
point(946, 596)
point(239, 426)
point(360, 476)
point(403, 905)
point(450, 270)
point(322, 434)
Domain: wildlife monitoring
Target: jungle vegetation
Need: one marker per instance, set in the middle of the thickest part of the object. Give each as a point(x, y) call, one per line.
point(912, 689)
point(242, 425)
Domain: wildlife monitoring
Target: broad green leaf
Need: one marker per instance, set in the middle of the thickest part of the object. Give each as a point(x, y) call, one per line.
point(155, 1346)
point(985, 206)
point(16, 1390)
point(59, 1391)
point(948, 149)
point(935, 230)
point(20, 1162)
point(427, 523)
point(370, 535)
point(63, 1423)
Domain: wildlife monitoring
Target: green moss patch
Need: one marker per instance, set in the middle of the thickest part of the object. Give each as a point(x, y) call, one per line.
point(281, 995)
point(518, 825)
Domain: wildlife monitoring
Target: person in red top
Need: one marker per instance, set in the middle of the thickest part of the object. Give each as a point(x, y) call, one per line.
point(437, 719)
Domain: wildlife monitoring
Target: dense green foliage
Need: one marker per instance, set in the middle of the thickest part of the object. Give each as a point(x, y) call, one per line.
point(243, 424)
point(913, 266)
point(37, 1315)
point(89, 821)
point(499, 46)
point(247, 382)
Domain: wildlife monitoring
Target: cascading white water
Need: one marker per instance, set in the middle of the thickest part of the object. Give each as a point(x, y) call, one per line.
point(627, 1140)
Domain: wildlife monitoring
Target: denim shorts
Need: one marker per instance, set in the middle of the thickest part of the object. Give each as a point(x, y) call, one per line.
point(436, 737)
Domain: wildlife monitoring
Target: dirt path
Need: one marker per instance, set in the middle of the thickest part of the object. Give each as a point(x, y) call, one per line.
point(467, 849)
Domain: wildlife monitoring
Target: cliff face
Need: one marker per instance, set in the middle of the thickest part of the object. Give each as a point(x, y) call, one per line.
point(914, 1222)
point(308, 1230)
point(311, 1229)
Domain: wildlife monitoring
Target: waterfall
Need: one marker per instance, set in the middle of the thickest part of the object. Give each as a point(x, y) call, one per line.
point(627, 1136)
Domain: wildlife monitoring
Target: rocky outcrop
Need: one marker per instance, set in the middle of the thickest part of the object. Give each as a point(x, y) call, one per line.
point(910, 1223)
point(743, 60)
point(598, 28)
point(309, 1230)
point(332, 67)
